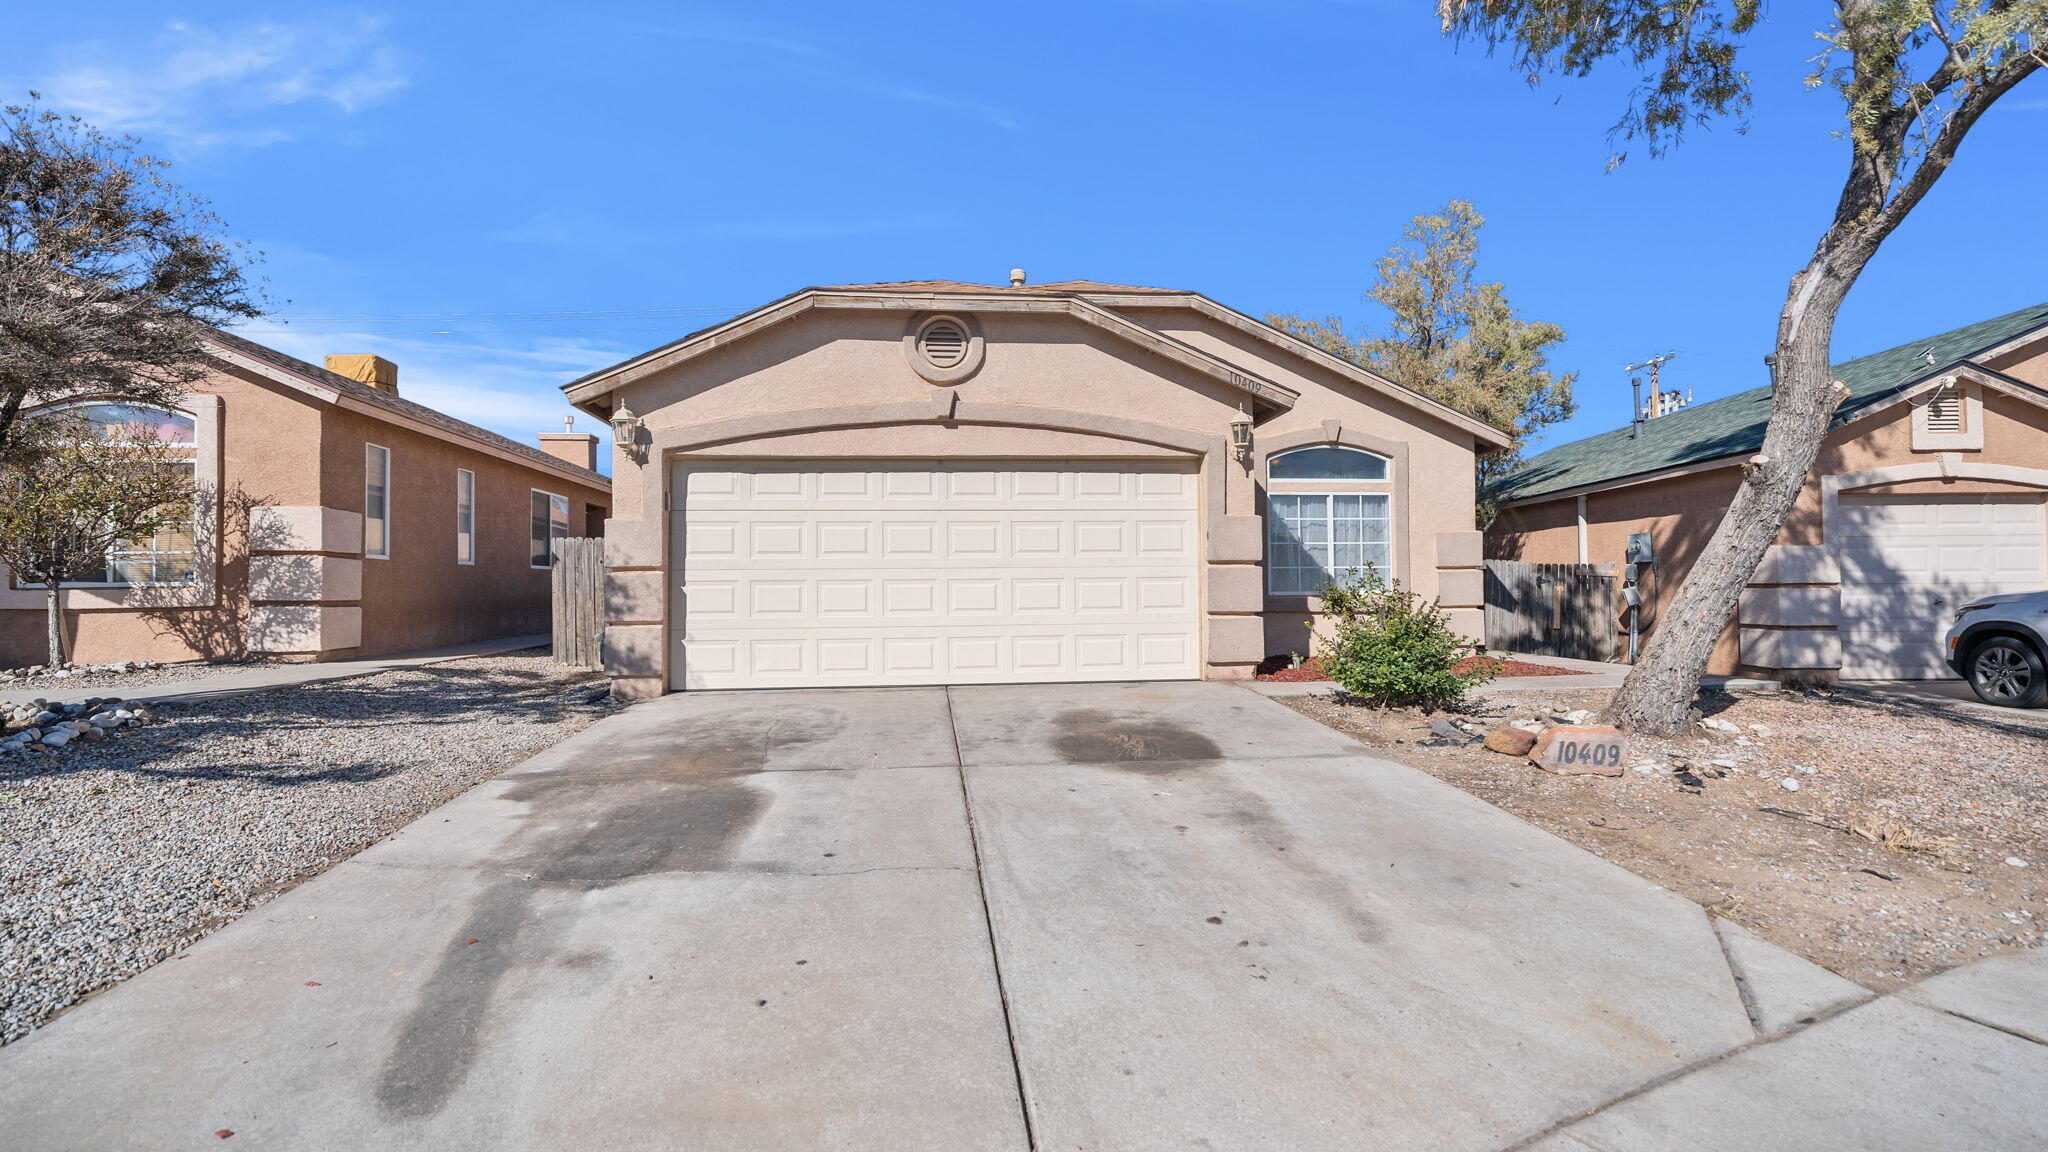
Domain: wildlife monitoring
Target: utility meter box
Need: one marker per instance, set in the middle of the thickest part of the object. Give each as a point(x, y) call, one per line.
point(1639, 550)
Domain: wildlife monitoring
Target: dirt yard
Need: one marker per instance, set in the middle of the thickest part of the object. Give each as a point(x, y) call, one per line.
point(1916, 838)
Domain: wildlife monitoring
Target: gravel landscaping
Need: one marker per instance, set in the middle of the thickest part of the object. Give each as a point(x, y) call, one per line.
point(1881, 837)
point(100, 676)
point(114, 855)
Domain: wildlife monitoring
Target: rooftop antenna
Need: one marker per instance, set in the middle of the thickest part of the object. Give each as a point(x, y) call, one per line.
point(1657, 399)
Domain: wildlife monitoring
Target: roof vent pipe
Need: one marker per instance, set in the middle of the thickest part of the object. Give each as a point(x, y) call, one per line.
point(1016, 277)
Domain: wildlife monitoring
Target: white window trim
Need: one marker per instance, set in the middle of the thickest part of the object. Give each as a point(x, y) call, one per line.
point(386, 553)
point(552, 497)
point(459, 557)
point(1311, 486)
point(1330, 529)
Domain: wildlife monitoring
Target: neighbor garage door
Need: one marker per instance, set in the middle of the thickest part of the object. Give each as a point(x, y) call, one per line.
point(1908, 562)
point(927, 572)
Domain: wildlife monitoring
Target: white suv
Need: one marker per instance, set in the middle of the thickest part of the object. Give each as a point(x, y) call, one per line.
point(2000, 645)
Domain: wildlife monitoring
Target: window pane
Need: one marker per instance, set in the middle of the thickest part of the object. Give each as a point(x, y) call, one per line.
point(169, 427)
point(376, 501)
point(465, 516)
point(1327, 463)
point(541, 534)
point(1321, 538)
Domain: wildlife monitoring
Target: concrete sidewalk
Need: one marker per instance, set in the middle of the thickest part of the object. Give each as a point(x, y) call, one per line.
point(264, 677)
point(1119, 917)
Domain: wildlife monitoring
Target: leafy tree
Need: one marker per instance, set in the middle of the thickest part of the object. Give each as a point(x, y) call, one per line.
point(72, 491)
point(108, 272)
point(1451, 338)
point(1914, 76)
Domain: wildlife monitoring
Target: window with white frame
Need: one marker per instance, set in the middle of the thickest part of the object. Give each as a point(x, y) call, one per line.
point(1329, 515)
point(550, 523)
point(376, 502)
point(170, 554)
point(465, 516)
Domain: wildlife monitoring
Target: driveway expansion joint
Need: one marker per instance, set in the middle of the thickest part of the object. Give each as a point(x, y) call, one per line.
point(1560, 1127)
point(995, 954)
point(1742, 988)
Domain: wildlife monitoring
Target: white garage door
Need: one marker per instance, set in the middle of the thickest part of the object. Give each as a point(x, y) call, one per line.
point(1908, 562)
point(930, 572)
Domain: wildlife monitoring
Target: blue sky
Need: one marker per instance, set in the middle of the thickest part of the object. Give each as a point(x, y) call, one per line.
point(649, 168)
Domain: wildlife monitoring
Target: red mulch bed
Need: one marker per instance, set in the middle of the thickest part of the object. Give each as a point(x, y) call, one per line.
point(1275, 668)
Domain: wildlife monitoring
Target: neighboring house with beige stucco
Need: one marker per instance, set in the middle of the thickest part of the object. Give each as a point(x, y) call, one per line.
point(938, 482)
point(1930, 490)
point(335, 520)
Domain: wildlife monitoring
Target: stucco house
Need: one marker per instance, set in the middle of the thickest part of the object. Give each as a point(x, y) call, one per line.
point(1931, 489)
point(335, 520)
point(938, 482)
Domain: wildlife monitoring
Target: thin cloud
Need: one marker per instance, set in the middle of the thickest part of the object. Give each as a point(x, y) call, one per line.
point(828, 67)
point(553, 229)
point(513, 389)
point(192, 88)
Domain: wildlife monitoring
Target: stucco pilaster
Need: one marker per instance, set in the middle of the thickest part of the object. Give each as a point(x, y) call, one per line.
point(635, 597)
point(1237, 539)
point(635, 543)
point(634, 649)
point(1236, 588)
point(283, 629)
point(1236, 639)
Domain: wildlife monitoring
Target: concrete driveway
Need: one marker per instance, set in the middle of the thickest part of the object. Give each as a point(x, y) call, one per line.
point(1064, 917)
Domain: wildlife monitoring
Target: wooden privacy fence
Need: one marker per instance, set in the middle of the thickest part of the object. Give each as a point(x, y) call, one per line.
point(1567, 610)
point(578, 580)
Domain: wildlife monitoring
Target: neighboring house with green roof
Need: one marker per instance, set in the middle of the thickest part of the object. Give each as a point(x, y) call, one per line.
point(1931, 489)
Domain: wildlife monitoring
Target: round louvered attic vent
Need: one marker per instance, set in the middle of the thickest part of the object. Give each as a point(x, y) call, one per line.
point(943, 342)
point(943, 349)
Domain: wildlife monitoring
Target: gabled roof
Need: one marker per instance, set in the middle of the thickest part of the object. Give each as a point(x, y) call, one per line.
point(1734, 425)
point(1091, 301)
point(386, 406)
point(1056, 288)
point(587, 392)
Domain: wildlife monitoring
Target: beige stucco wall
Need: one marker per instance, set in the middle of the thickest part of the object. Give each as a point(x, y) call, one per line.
point(837, 383)
point(1441, 487)
point(256, 420)
point(285, 516)
point(1682, 512)
point(420, 596)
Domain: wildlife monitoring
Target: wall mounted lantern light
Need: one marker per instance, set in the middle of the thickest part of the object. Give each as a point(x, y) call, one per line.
point(626, 430)
point(1241, 435)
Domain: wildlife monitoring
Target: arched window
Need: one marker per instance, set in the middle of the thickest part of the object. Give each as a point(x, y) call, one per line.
point(1326, 462)
point(1329, 514)
point(170, 427)
point(167, 556)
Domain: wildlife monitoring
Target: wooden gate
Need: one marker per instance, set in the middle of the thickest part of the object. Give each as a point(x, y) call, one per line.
point(578, 580)
point(1552, 609)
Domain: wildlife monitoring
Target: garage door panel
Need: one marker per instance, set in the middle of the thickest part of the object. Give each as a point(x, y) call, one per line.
point(869, 573)
point(800, 486)
point(870, 599)
point(789, 660)
point(1908, 563)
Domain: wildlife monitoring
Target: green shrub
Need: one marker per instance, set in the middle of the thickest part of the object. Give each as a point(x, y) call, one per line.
point(1388, 646)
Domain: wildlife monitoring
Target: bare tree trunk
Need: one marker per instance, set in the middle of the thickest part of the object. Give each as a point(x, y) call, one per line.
point(1659, 691)
point(56, 617)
